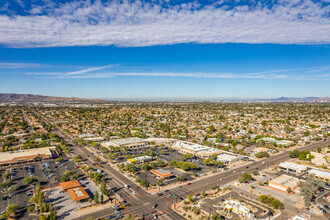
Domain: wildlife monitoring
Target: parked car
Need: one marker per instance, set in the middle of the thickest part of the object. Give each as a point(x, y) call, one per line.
point(188, 184)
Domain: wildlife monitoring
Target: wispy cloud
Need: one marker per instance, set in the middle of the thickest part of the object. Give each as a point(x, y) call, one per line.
point(298, 74)
point(22, 65)
point(92, 69)
point(137, 23)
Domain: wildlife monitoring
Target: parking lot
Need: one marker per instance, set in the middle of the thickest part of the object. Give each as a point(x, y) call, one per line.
point(152, 178)
point(48, 175)
point(174, 155)
point(64, 205)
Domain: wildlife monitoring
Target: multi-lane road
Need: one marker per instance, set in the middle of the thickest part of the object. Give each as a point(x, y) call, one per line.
point(141, 203)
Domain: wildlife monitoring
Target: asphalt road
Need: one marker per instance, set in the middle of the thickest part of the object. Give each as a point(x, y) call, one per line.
point(142, 203)
point(204, 184)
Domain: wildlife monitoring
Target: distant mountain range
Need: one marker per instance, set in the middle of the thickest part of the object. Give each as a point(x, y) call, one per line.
point(294, 99)
point(10, 97)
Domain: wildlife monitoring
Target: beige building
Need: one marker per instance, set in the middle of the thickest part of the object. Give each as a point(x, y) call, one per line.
point(195, 149)
point(26, 155)
point(130, 143)
point(320, 174)
point(285, 183)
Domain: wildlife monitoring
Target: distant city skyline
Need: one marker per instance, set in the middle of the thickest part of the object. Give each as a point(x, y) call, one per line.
point(168, 49)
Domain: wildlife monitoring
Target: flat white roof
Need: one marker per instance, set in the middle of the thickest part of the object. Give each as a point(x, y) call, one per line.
point(192, 146)
point(286, 180)
point(320, 173)
point(228, 157)
point(160, 139)
point(124, 141)
point(142, 157)
point(293, 166)
point(11, 155)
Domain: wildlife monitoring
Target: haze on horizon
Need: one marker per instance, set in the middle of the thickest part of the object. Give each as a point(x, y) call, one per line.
point(165, 49)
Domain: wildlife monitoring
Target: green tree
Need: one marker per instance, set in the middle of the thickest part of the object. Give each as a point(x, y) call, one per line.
point(161, 163)
point(10, 209)
point(294, 153)
point(129, 217)
point(216, 216)
point(208, 161)
point(111, 156)
point(160, 182)
point(96, 197)
point(60, 159)
point(308, 189)
point(245, 177)
point(180, 178)
point(52, 215)
point(29, 180)
point(76, 159)
point(145, 167)
point(6, 175)
point(103, 187)
point(269, 200)
point(6, 184)
point(262, 154)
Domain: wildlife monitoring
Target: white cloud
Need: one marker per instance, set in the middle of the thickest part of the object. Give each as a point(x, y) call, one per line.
point(22, 65)
point(92, 69)
point(298, 74)
point(144, 24)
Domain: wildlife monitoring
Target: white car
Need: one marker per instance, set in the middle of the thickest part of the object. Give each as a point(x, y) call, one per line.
point(134, 193)
point(234, 171)
point(220, 179)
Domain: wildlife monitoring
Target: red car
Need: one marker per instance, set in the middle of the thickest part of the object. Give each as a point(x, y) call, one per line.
point(77, 167)
point(189, 184)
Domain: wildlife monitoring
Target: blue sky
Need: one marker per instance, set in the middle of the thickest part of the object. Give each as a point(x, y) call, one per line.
point(170, 49)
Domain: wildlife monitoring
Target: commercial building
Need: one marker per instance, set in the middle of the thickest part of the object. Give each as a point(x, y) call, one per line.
point(75, 190)
point(26, 155)
point(285, 183)
point(237, 207)
point(320, 174)
point(161, 140)
point(141, 159)
point(195, 149)
point(130, 143)
point(95, 139)
point(227, 158)
point(162, 173)
point(292, 167)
